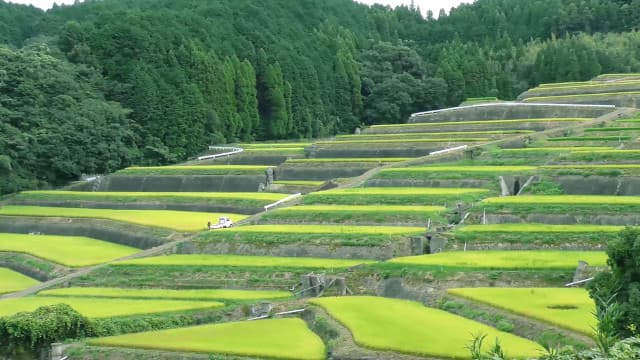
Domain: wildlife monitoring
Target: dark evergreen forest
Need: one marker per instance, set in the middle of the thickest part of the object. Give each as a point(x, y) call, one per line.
point(104, 84)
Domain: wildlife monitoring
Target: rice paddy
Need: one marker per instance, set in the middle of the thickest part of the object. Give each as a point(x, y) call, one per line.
point(326, 229)
point(394, 196)
point(540, 228)
point(521, 260)
point(409, 327)
point(187, 221)
point(581, 96)
point(11, 281)
point(195, 170)
point(557, 149)
point(565, 199)
point(299, 182)
point(590, 138)
point(244, 261)
point(481, 122)
point(569, 308)
point(275, 339)
point(103, 307)
point(72, 251)
point(345, 160)
point(187, 294)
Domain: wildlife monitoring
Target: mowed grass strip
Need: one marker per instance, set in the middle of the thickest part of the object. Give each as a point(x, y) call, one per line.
point(409, 327)
point(612, 129)
point(590, 138)
point(195, 170)
point(104, 308)
point(72, 251)
point(540, 228)
point(365, 209)
point(569, 308)
point(244, 261)
point(507, 260)
point(11, 281)
point(187, 221)
point(393, 196)
point(274, 339)
point(346, 160)
point(326, 229)
point(189, 294)
point(557, 149)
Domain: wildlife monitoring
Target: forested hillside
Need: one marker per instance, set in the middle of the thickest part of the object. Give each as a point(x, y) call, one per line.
point(100, 85)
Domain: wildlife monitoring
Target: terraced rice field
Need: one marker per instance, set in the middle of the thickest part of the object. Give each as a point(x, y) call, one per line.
point(345, 160)
point(326, 229)
point(602, 155)
point(72, 251)
point(521, 260)
point(11, 281)
point(612, 129)
point(195, 170)
point(433, 134)
point(384, 141)
point(249, 198)
point(244, 261)
point(557, 149)
point(564, 199)
point(569, 308)
point(479, 122)
point(188, 294)
point(393, 196)
point(299, 182)
point(409, 327)
point(275, 145)
point(187, 221)
point(590, 138)
point(275, 338)
point(540, 228)
point(580, 96)
point(275, 151)
point(453, 172)
point(103, 307)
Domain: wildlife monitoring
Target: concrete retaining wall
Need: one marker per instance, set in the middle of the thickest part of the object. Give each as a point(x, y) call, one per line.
point(318, 173)
point(186, 183)
point(373, 152)
point(560, 219)
point(599, 185)
point(431, 183)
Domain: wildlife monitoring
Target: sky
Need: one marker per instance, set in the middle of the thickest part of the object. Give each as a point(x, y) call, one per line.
point(433, 5)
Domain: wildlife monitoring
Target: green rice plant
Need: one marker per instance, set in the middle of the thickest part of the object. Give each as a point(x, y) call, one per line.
point(11, 281)
point(556, 149)
point(453, 172)
point(394, 196)
point(433, 134)
point(605, 77)
point(189, 294)
point(187, 221)
point(195, 170)
point(612, 129)
point(591, 138)
point(326, 229)
point(569, 308)
point(411, 328)
point(275, 145)
point(274, 339)
point(73, 251)
point(569, 83)
point(103, 307)
point(240, 199)
point(602, 155)
point(412, 141)
point(480, 122)
point(244, 261)
point(300, 182)
point(562, 204)
point(580, 96)
point(376, 214)
point(587, 85)
point(345, 160)
point(540, 228)
point(275, 151)
point(504, 260)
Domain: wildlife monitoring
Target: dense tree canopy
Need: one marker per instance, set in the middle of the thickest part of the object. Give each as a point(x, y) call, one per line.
point(156, 81)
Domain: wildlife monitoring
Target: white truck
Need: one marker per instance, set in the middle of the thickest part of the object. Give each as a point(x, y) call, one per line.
point(223, 222)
